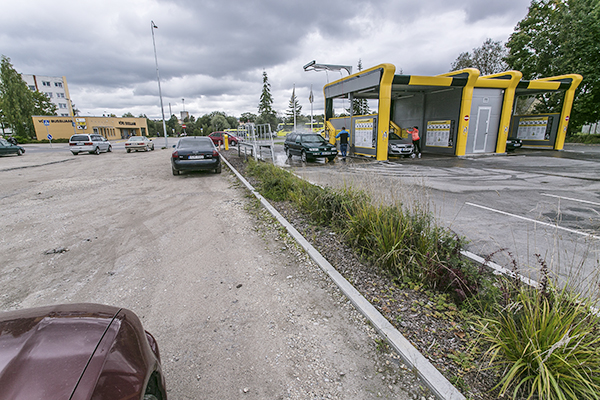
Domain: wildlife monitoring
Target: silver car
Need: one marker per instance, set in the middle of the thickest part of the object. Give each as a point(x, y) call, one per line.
point(93, 144)
point(139, 143)
point(398, 146)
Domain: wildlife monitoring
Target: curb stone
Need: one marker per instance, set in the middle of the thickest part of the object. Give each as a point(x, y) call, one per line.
point(434, 380)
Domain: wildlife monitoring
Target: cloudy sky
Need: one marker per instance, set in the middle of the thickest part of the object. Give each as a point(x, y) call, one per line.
point(212, 53)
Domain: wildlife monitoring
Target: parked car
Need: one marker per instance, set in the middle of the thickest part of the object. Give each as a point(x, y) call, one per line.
point(399, 146)
point(9, 148)
point(217, 138)
point(512, 144)
point(139, 143)
point(78, 351)
point(308, 146)
point(93, 144)
point(195, 153)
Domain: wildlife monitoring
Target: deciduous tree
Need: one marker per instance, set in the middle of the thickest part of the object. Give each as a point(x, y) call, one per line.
point(16, 101)
point(488, 59)
point(560, 37)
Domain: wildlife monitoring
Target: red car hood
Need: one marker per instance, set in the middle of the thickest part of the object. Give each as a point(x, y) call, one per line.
point(44, 351)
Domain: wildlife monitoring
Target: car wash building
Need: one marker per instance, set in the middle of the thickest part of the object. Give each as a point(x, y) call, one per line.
point(112, 128)
point(457, 113)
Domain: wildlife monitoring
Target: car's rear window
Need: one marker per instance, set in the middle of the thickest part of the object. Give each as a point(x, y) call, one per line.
point(136, 139)
point(195, 143)
point(79, 138)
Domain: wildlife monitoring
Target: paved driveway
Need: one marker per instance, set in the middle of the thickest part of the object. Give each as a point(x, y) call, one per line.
point(527, 203)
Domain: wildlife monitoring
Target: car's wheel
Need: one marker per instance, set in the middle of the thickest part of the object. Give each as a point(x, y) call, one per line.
point(175, 172)
point(128, 150)
point(304, 157)
point(288, 153)
point(19, 152)
point(218, 169)
point(75, 153)
point(109, 149)
point(146, 148)
point(96, 151)
point(152, 148)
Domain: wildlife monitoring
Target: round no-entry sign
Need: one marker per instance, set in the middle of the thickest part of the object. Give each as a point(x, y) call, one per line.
point(466, 117)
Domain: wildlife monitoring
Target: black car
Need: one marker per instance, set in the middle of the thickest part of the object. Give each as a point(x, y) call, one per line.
point(308, 146)
point(9, 148)
point(512, 144)
point(195, 153)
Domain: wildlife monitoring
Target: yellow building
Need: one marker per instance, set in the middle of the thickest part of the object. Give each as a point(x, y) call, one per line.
point(112, 128)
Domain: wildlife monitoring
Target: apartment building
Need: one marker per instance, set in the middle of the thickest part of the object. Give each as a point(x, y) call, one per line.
point(55, 87)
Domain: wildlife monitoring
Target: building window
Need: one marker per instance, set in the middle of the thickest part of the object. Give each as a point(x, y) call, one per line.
point(64, 115)
point(60, 95)
point(49, 94)
point(62, 105)
point(32, 87)
point(58, 84)
point(45, 83)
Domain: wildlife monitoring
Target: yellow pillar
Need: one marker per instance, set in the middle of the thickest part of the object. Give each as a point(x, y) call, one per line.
point(383, 113)
point(226, 141)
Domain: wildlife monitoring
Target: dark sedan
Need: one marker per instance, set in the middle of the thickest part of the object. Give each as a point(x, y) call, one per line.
point(78, 352)
point(512, 144)
point(9, 148)
point(308, 146)
point(195, 153)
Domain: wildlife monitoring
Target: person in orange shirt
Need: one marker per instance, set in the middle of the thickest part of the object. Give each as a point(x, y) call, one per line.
point(414, 131)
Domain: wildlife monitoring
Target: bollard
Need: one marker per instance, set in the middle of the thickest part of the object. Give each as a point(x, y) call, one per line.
point(226, 140)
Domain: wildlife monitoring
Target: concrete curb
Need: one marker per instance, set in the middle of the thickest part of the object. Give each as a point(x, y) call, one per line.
point(434, 380)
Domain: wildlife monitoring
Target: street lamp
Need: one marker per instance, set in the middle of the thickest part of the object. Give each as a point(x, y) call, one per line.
point(152, 27)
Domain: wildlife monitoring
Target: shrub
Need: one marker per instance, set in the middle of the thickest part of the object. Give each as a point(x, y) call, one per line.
point(545, 345)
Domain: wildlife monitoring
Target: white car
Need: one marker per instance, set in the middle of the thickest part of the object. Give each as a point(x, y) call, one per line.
point(139, 143)
point(93, 144)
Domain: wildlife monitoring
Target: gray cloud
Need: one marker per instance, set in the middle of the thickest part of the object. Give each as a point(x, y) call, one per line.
point(212, 53)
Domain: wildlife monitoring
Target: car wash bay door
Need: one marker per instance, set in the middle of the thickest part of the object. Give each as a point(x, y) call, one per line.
point(485, 112)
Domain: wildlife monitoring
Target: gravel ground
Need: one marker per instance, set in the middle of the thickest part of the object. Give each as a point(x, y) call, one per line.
point(434, 327)
point(238, 310)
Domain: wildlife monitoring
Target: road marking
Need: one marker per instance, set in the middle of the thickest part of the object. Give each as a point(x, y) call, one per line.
point(572, 199)
point(533, 220)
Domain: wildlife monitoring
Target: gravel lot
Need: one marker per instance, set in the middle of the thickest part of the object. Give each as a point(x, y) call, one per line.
point(237, 309)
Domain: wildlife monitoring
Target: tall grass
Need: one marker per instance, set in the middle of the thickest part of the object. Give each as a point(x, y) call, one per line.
point(545, 344)
point(404, 242)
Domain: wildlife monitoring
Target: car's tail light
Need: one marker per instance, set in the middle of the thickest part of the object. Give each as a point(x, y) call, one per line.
point(72, 144)
point(175, 154)
point(215, 153)
point(88, 143)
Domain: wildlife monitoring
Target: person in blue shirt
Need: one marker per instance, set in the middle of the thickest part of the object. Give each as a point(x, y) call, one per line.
point(343, 136)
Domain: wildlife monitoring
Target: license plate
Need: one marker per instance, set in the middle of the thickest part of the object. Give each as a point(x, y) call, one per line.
point(195, 157)
point(326, 153)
